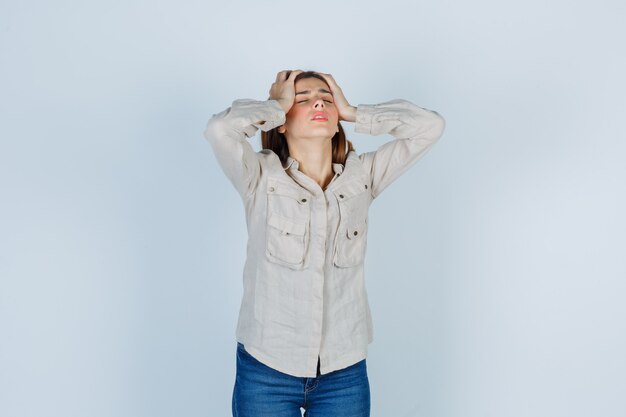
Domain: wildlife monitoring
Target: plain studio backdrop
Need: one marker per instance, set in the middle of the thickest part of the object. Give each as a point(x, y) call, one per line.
point(495, 266)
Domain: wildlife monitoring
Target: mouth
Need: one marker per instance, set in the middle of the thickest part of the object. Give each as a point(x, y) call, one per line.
point(320, 116)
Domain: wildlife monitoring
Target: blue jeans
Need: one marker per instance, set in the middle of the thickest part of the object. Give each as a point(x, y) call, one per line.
point(261, 391)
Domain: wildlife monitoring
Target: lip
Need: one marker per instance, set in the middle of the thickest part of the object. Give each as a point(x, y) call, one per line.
point(320, 113)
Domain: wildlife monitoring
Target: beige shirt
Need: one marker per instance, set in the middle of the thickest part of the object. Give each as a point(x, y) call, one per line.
point(303, 284)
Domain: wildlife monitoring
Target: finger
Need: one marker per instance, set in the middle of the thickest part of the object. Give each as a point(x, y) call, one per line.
point(280, 75)
point(330, 79)
point(293, 75)
point(331, 83)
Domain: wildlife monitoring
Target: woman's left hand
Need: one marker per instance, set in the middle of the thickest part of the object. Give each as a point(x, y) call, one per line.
point(346, 111)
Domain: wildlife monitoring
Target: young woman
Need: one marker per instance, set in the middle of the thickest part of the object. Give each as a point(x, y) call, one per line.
point(304, 323)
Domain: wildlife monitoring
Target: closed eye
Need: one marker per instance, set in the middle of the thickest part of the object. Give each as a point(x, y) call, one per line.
point(303, 101)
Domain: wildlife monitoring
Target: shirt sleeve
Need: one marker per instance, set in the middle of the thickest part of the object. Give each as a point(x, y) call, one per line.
point(228, 131)
point(416, 129)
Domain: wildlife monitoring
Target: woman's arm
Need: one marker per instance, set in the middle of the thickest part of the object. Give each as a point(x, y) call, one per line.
point(227, 132)
point(416, 130)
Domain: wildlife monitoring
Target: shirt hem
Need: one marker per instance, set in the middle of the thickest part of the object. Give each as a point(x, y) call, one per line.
point(348, 361)
point(265, 360)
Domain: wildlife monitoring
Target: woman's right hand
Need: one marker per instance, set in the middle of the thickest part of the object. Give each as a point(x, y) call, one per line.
point(283, 90)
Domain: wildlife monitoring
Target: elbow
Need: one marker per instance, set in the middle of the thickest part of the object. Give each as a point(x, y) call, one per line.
point(209, 130)
point(219, 124)
point(439, 125)
point(214, 128)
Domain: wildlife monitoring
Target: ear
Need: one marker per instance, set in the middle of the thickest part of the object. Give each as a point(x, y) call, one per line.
point(337, 130)
point(282, 129)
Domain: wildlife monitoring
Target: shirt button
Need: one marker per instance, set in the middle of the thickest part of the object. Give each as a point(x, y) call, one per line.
point(271, 189)
point(356, 233)
point(366, 186)
point(340, 195)
point(303, 200)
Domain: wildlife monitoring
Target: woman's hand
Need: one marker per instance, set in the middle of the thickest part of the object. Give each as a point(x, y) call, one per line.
point(283, 90)
point(346, 111)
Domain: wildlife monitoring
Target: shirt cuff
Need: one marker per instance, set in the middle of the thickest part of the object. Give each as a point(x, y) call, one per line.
point(364, 117)
point(275, 116)
point(264, 115)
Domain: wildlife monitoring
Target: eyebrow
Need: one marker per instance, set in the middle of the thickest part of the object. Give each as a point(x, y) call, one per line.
point(309, 91)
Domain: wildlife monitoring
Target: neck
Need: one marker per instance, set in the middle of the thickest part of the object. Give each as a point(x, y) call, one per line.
point(314, 161)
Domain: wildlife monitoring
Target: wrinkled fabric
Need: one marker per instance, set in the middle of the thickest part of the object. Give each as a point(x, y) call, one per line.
point(262, 391)
point(304, 294)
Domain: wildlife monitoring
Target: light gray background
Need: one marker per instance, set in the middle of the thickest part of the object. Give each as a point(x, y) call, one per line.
point(496, 265)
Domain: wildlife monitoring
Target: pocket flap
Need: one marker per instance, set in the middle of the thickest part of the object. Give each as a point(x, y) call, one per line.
point(350, 189)
point(286, 225)
point(278, 187)
point(356, 230)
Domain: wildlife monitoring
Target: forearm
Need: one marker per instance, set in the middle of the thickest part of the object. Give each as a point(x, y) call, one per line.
point(227, 132)
point(415, 130)
point(400, 118)
point(246, 116)
point(350, 114)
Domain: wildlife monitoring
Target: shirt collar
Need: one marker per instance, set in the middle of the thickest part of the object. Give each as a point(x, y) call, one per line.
point(293, 164)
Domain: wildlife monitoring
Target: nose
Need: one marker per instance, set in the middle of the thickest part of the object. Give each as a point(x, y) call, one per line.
point(318, 103)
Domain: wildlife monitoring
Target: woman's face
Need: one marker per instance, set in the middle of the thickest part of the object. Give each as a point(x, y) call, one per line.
point(313, 99)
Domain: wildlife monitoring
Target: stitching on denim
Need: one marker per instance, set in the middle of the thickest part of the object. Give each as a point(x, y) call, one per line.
point(316, 380)
point(305, 392)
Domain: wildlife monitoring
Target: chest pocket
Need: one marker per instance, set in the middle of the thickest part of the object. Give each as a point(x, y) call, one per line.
point(288, 224)
point(354, 199)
